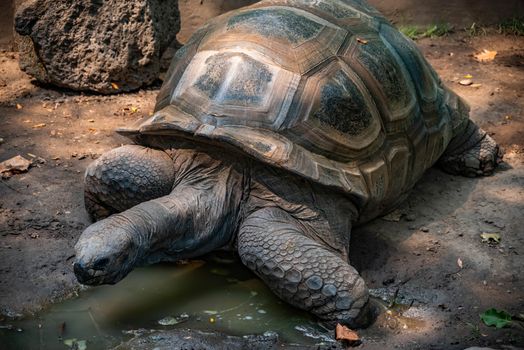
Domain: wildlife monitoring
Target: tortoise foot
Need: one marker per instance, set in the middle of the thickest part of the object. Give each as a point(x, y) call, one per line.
point(478, 155)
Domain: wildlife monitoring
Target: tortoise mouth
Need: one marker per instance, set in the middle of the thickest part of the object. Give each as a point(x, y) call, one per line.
point(88, 276)
point(91, 277)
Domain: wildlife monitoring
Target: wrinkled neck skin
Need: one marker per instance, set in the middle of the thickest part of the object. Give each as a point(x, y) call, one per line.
point(207, 197)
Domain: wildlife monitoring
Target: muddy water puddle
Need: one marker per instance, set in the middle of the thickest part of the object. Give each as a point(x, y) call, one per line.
point(212, 295)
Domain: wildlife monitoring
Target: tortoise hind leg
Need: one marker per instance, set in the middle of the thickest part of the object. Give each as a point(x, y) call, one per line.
point(471, 153)
point(302, 271)
point(125, 177)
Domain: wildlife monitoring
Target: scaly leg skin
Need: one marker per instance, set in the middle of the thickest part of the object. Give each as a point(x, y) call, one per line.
point(125, 177)
point(301, 271)
point(472, 153)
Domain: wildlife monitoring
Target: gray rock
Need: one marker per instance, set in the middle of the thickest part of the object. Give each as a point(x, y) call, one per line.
point(107, 46)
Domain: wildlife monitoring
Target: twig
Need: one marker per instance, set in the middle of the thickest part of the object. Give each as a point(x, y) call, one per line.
point(94, 322)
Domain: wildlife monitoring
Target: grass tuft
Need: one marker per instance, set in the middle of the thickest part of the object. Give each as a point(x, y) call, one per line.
point(512, 26)
point(434, 30)
point(476, 30)
point(410, 31)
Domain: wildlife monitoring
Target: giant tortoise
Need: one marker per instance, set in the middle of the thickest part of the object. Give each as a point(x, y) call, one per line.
point(280, 127)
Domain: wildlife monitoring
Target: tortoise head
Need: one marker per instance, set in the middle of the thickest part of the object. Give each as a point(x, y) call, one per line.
point(105, 253)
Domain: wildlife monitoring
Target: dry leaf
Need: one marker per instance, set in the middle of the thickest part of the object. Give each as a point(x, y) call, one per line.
point(459, 262)
point(114, 86)
point(394, 216)
point(490, 237)
point(344, 333)
point(18, 106)
point(476, 85)
point(37, 126)
point(468, 76)
point(485, 56)
point(362, 41)
point(133, 109)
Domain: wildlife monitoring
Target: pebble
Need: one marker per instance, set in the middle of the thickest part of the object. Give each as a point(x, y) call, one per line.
point(466, 82)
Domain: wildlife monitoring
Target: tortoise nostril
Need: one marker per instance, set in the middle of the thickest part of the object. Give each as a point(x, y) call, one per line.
point(100, 263)
point(78, 268)
point(81, 272)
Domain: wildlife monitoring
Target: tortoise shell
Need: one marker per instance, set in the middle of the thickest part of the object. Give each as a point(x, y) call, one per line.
point(326, 89)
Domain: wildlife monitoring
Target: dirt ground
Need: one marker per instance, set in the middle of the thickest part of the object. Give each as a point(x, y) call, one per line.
point(416, 252)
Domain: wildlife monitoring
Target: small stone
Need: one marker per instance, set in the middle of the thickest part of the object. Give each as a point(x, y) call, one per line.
point(15, 165)
point(424, 229)
point(466, 82)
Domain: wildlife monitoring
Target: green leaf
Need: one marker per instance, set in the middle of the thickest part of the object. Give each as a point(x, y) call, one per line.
point(69, 342)
point(74, 343)
point(494, 317)
point(81, 345)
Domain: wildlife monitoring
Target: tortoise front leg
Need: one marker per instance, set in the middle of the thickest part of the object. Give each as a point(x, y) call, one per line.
point(301, 271)
point(198, 216)
point(125, 177)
